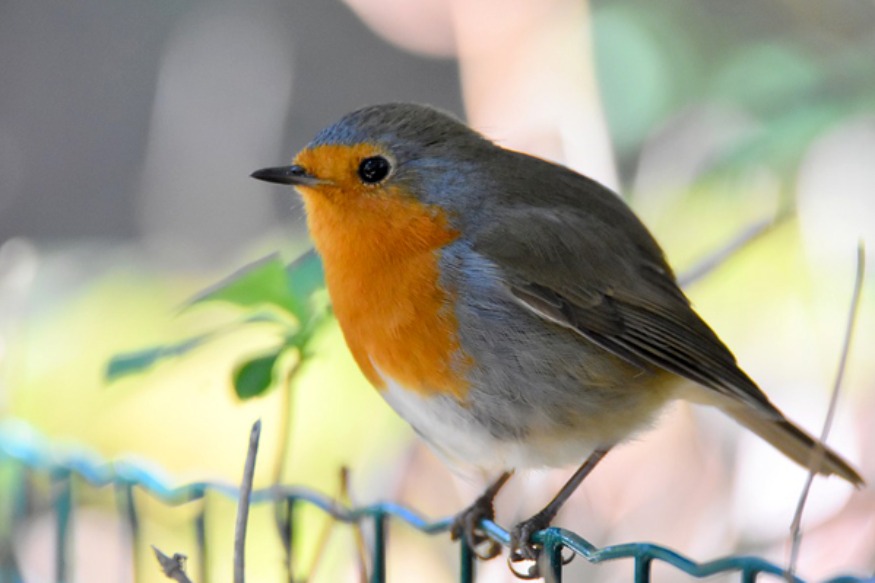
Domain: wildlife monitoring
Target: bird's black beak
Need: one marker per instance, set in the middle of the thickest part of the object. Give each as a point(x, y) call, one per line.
point(291, 175)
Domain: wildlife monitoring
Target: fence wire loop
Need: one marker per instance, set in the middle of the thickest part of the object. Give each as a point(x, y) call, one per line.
point(24, 446)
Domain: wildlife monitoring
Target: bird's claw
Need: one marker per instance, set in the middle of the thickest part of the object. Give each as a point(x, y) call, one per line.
point(523, 549)
point(466, 526)
point(532, 571)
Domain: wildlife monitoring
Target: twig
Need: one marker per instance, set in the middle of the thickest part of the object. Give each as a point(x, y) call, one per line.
point(243, 504)
point(342, 497)
point(747, 236)
point(173, 567)
point(819, 451)
point(282, 516)
point(361, 547)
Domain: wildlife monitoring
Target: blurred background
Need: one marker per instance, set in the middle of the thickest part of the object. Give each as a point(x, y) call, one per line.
point(127, 134)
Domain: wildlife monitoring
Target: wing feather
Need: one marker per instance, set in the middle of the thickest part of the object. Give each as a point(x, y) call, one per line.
point(589, 265)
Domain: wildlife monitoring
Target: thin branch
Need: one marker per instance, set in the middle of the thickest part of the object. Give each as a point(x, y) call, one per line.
point(173, 567)
point(281, 507)
point(819, 451)
point(741, 240)
point(342, 497)
point(243, 504)
point(358, 535)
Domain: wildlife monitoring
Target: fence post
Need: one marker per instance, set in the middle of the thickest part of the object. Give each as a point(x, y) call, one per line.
point(284, 510)
point(642, 569)
point(63, 502)
point(554, 561)
point(466, 562)
point(378, 564)
point(124, 492)
point(200, 535)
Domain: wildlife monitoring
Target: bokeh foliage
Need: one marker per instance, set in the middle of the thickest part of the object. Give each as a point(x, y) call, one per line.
point(270, 292)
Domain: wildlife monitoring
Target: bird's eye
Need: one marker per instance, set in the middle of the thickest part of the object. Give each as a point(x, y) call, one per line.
point(374, 169)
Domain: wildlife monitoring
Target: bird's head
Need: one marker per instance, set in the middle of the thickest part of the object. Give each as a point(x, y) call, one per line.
point(386, 152)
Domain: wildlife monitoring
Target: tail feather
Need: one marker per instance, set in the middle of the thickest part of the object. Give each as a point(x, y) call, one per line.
point(793, 441)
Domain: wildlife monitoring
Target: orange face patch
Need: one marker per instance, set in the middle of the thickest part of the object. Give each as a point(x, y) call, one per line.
point(338, 167)
point(380, 247)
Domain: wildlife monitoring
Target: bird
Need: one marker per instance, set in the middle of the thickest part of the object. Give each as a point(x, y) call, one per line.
point(517, 314)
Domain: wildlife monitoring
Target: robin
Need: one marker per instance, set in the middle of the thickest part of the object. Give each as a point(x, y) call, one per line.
point(516, 313)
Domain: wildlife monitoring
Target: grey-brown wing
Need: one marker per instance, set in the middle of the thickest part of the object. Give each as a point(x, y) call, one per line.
point(606, 279)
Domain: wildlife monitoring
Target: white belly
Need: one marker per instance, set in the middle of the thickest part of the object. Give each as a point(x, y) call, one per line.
point(466, 445)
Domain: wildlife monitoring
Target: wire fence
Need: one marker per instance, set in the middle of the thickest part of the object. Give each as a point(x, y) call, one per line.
point(24, 448)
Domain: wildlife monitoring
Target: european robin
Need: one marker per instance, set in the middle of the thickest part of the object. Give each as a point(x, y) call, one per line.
point(516, 313)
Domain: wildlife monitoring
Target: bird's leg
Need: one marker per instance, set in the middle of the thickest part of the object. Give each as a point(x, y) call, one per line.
point(521, 547)
point(466, 525)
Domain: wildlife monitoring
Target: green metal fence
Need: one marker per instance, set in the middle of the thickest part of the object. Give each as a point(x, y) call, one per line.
point(25, 449)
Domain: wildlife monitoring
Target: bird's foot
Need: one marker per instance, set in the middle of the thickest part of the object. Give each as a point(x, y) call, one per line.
point(466, 526)
point(524, 550)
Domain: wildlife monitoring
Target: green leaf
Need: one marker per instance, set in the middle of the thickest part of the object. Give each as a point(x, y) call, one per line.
point(140, 360)
point(784, 140)
point(305, 276)
point(626, 40)
point(255, 377)
point(261, 282)
point(269, 281)
point(266, 282)
point(766, 78)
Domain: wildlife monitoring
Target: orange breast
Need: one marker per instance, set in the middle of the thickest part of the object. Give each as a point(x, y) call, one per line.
point(380, 253)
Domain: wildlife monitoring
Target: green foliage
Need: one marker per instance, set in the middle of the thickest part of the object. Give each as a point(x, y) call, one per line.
point(259, 283)
point(784, 139)
point(285, 295)
point(268, 281)
point(140, 360)
point(255, 377)
point(796, 76)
